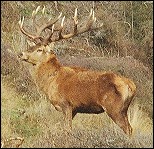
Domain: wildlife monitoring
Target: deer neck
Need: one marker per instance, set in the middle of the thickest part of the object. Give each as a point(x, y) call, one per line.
point(46, 72)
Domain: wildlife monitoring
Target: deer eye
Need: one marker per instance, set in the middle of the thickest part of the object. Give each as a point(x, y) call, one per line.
point(39, 50)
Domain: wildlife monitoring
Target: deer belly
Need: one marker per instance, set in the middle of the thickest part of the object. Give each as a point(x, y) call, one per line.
point(95, 109)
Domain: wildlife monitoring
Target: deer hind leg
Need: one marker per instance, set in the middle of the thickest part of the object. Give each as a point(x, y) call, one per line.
point(124, 112)
point(118, 113)
point(121, 120)
point(129, 130)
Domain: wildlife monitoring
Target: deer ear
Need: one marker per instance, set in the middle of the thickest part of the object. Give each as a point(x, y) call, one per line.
point(50, 47)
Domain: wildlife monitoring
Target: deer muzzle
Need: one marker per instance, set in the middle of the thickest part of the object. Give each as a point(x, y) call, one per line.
point(23, 56)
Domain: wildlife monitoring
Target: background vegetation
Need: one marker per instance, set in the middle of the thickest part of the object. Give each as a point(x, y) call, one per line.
point(124, 45)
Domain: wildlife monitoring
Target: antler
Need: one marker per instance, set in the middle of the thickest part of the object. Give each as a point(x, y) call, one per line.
point(39, 29)
point(50, 25)
point(85, 28)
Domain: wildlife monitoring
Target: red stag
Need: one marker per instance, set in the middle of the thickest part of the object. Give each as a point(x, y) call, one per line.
point(73, 90)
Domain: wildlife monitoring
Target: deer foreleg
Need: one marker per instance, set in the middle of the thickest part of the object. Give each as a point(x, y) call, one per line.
point(68, 117)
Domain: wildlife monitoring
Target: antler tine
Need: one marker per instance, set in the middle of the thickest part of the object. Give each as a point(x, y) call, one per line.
point(43, 10)
point(50, 25)
point(91, 19)
point(61, 28)
point(50, 22)
point(52, 28)
point(21, 21)
point(62, 22)
point(88, 26)
point(89, 23)
point(37, 9)
point(75, 17)
point(62, 25)
point(39, 29)
point(48, 39)
point(91, 12)
point(75, 21)
point(43, 14)
point(34, 18)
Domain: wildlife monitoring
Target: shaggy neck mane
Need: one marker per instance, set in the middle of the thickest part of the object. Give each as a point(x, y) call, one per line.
point(47, 70)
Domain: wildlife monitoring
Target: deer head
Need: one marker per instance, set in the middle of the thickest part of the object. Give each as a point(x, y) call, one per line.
point(37, 55)
point(43, 41)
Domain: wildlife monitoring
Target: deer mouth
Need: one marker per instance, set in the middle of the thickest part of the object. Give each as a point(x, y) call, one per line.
point(28, 61)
